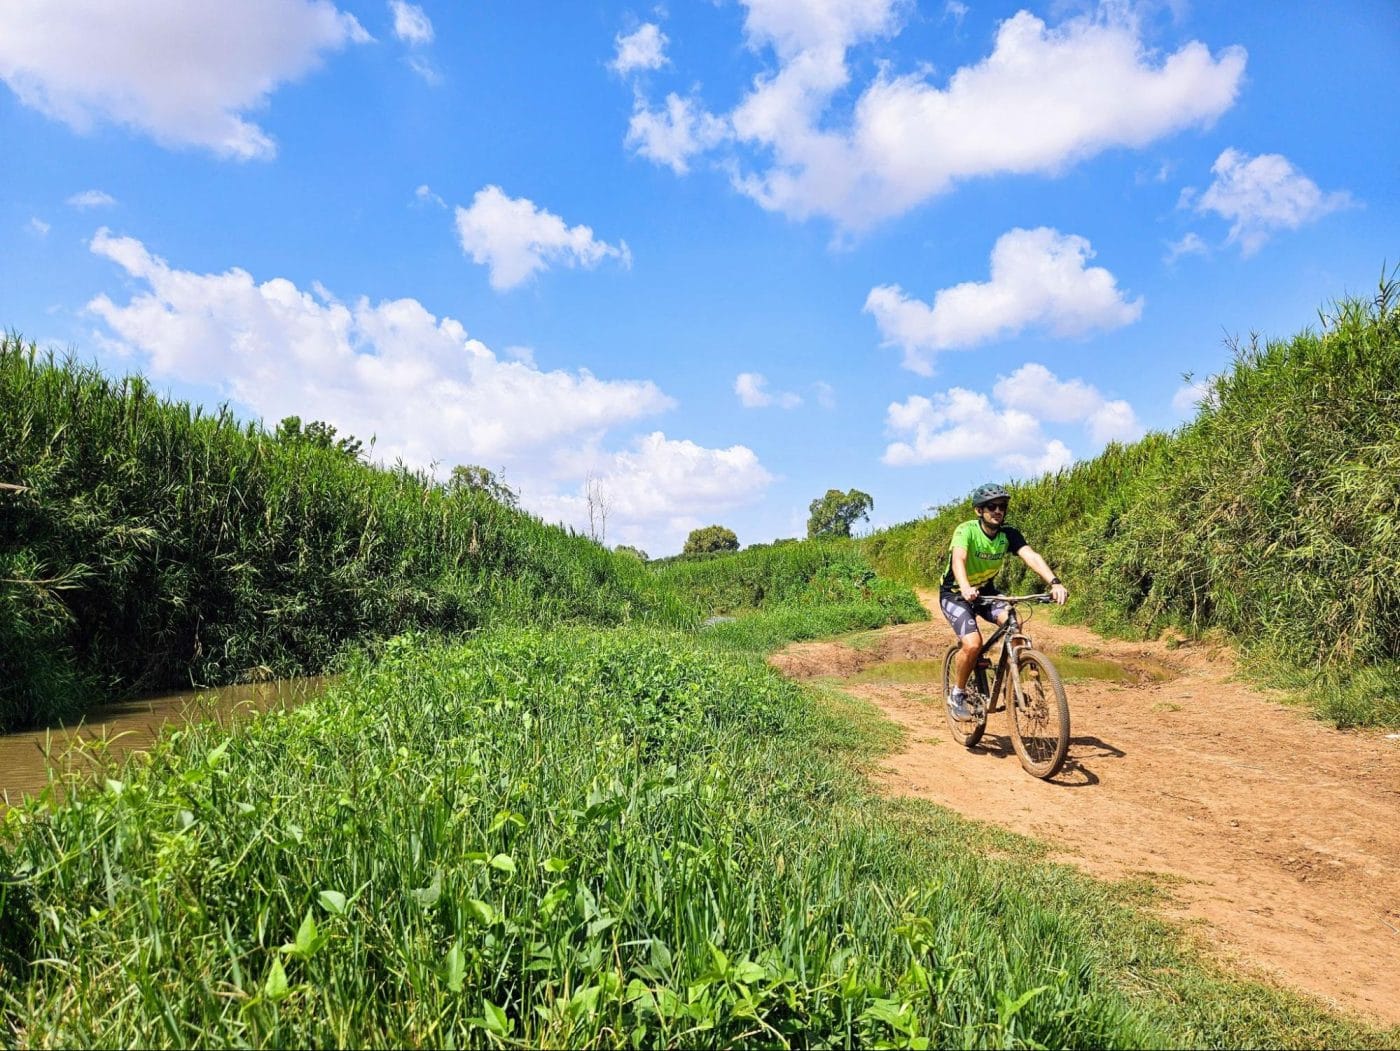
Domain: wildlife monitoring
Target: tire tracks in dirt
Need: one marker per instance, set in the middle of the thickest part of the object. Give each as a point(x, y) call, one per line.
point(1276, 836)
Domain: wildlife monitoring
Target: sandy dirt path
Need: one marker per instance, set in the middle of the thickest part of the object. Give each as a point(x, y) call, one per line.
point(1276, 834)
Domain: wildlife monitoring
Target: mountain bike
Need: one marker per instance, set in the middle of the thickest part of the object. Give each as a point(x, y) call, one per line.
point(1028, 685)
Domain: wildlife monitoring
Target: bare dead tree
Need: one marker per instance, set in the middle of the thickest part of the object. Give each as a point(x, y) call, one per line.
point(597, 499)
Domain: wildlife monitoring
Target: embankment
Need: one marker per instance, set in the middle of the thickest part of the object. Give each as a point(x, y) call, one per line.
point(1272, 517)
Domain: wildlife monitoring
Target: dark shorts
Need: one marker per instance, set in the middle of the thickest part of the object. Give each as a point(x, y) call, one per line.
point(962, 615)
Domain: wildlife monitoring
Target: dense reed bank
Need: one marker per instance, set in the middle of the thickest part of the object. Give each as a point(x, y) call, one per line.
point(154, 545)
point(571, 838)
point(789, 590)
point(1273, 516)
point(789, 572)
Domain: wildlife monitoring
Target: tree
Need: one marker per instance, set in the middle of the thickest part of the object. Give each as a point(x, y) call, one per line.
point(317, 433)
point(711, 538)
point(834, 513)
point(635, 552)
point(597, 499)
point(469, 476)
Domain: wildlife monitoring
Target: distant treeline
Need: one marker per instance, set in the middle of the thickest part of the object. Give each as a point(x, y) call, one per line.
point(1273, 515)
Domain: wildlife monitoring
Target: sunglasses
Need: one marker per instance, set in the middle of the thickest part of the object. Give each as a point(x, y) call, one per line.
point(996, 507)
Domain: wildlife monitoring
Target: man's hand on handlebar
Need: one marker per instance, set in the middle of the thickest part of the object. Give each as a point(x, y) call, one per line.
point(1059, 593)
point(969, 594)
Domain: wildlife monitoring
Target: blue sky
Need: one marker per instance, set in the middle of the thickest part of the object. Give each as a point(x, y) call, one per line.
point(703, 260)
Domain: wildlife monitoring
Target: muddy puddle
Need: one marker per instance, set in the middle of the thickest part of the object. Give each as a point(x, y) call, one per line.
point(1070, 665)
point(30, 759)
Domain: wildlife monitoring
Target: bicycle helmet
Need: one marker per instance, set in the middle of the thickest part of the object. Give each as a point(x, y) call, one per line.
point(987, 492)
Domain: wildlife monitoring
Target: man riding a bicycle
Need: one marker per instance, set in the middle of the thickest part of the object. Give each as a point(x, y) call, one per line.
point(968, 589)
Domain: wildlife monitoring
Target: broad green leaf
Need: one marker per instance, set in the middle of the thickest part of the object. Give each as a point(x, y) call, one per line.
point(495, 1017)
point(504, 863)
point(308, 940)
point(276, 988)
point(333, 902)
point(454, 968)
point(483, 912)
point(584, 1002)
point(506, 817)
point(748, 972)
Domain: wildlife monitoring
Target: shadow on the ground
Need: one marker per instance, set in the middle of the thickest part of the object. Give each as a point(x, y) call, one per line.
point(1074, 774)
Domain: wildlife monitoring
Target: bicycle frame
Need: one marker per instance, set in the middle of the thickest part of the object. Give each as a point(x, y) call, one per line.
point(1014, 640)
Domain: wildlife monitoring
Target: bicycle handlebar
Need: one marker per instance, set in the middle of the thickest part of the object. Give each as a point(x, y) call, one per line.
point(1043, 597)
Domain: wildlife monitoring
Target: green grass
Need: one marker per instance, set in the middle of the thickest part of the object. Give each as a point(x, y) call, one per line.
point(574, 837)
point(1272, 518)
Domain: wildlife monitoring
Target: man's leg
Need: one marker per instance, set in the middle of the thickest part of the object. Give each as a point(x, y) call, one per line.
point(971, 645)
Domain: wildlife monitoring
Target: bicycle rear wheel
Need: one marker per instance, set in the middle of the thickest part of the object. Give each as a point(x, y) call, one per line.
point(966, 732)
point(1039, 716)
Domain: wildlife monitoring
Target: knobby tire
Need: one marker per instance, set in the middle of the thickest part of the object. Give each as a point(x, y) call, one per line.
point(1039, 716)
point(967, 733)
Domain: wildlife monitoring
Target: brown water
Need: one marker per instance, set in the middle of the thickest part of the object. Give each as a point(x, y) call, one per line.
point(29, 759)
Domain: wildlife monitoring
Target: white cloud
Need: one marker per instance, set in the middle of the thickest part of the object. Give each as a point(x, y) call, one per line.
point(1192, 395)
point(1261, 195)
point(960, 424)
point(92, 199)
point(390, 369)
point(1053, 457)
point(674, 135)
point(1038, 278)
point(643, 49)
point(753, 394)
point(826, 394)
point(411, 24)
point(1039, 392)
point(659, 478)
point(516, 239)
point(796, 27)
point(38, 227)
point(184, 73)
point(425, 195)
point(1191, 244)
point(1043, 99)
point(1114, 421)
point(426, 391)
point(425, 69)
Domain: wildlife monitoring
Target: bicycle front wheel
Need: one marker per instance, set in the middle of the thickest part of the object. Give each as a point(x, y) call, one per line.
point(1039, 716)
point(966, 733)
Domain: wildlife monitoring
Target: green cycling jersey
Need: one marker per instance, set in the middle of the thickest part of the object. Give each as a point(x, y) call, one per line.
point(985, 554)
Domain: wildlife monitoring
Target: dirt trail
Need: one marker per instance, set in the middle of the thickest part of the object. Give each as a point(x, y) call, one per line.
point(1278, 833)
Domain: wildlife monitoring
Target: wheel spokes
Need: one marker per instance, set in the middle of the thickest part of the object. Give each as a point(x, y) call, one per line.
point(1036, 714)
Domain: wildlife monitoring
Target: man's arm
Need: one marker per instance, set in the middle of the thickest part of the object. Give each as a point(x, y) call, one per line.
point(1031, 557)
point(968, 592)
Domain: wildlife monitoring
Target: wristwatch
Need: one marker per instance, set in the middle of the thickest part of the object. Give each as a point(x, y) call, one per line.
point(1056, 580)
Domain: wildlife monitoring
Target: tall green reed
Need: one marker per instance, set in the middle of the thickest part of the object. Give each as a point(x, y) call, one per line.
point(156, 544)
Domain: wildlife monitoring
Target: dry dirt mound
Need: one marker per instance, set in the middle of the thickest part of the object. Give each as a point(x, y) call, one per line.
point(1278, 833)
point(903, 642)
